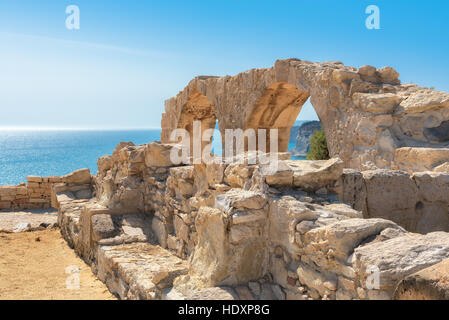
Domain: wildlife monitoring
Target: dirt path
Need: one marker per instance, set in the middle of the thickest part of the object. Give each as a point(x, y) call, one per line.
point(33, 266)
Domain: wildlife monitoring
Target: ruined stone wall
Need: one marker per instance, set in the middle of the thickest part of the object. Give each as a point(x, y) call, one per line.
point(418, 202)
point(302, 240)
point(371, 120)
point(237, 230)
point(36, 193)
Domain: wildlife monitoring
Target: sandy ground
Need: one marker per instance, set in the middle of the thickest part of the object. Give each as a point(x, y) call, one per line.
point(34, 218)
point(33, 266)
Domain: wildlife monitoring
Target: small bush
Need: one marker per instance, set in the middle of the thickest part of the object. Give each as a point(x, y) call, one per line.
point(318, 146)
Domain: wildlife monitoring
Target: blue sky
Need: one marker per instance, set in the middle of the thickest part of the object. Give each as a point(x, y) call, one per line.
point(129, 56)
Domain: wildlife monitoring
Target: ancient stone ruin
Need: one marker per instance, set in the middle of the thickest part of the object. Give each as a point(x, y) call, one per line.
point(371, 120)
point(370, 223)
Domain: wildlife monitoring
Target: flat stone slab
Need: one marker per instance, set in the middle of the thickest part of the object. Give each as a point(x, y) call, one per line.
point(402, 256)
point(214, 293)
point(138, 271)
point(429, 284)
point(30, 220)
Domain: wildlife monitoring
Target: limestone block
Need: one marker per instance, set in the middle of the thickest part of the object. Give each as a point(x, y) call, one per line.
point(284, 214)
point(184, 289)
point(342, 237)
point(391, 195)
point(401, 256)
point(136, 154)
point(103, 227)
point(210, 262)
point(389, 75)
point(376, 103)
point(81, 176)
point(104, 163)
point(34, 179)
point(181, 229)
point(424, 100)
point(217, 261)
point(158, 155)
point(420, 159)
point(313, 175)
point(7, 198)
point(344, 210)
point(282, 177)
point(153, 270)
point(34, 185)
point(305, 226)
point(237, 175)
point(316, 280)
point(340, 76)
point(54, 179)
point(240, 199)
point(368, 73)
point(431, 283)
point(131, 199)
point(5, 205)
point(248, 216)
point(432, 186)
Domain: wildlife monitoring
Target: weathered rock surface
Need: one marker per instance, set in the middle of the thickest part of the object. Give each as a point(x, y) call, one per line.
point(402, 256)
point(138, 271)
point(81, 176)
point(307, 175)
point(431, 283)
point(418, 202)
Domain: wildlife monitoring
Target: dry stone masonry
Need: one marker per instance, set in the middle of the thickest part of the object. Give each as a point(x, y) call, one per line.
point(229, 231)
point(36, 193)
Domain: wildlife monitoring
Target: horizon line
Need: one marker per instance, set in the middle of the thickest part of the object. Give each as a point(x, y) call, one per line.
point(49, 128)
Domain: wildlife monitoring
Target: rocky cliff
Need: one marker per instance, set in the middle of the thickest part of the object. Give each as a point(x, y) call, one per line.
point(303, 135)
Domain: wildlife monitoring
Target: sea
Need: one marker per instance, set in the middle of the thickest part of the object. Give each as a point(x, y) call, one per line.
point(58, 152)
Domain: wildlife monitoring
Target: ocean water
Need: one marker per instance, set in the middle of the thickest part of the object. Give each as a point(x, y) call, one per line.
point(51, 152)
point(55, 153)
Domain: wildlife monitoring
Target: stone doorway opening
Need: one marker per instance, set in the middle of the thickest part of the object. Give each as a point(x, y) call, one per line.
point(277, 108)
point(306, 124)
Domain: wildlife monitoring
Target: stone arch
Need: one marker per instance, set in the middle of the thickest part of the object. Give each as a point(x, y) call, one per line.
point(197, 108)
point(277, 108)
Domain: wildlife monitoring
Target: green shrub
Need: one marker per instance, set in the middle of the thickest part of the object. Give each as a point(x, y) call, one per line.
point(318, 146)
